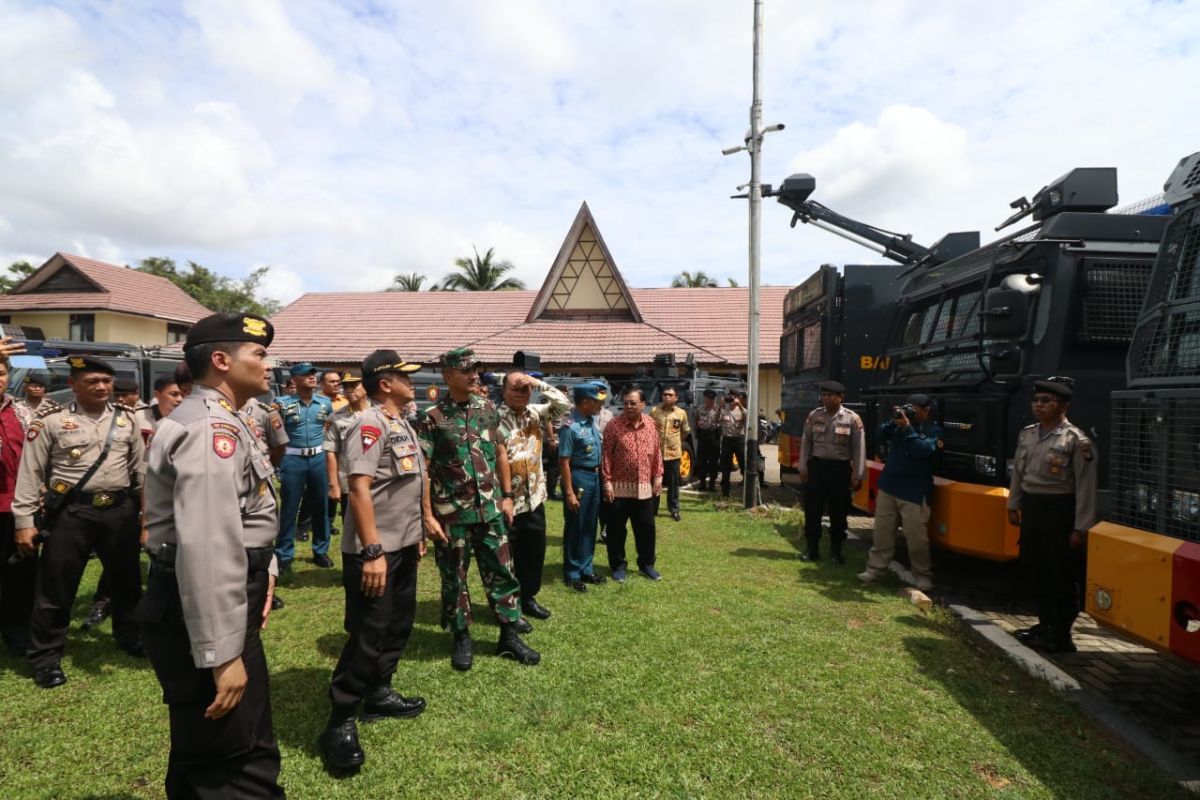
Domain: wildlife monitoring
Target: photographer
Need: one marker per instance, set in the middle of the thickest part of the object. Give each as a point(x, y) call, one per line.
point(905, 489)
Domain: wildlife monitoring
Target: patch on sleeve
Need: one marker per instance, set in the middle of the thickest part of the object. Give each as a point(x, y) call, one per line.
point(1085, 448)
point(370, 435)
point(940, 444)
point(224, 444)
point(35, 428)
point(276, 422)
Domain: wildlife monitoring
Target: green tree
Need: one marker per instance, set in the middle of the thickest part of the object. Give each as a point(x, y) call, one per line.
point(732, 282)
point(481, 275)
point(687, 280)
point(17, 272)
point(410, 282)
point(215, 292)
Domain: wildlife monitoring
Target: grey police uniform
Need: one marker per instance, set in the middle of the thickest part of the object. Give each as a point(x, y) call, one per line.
point(212, 516)
point(1054, 487)
point(834, 453)
point(386, 449)
point(60, 448)
point(266, 422)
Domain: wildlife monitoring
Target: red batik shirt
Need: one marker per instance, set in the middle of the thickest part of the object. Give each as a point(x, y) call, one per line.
point(631, 461)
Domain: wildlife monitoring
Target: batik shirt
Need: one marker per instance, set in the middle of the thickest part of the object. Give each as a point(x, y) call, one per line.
point(523, 433)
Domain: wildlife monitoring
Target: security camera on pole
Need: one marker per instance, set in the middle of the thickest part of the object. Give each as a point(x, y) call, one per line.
point(753, 146)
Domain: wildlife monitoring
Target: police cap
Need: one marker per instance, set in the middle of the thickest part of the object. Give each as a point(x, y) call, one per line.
point(39, 377)
point(459, 358)
point(1058, 386)
point(80, 364)
point(831, 386)
point(920, 400)
point(231, 328)
point(589, 390)
point(382, 361)
point(350, 378)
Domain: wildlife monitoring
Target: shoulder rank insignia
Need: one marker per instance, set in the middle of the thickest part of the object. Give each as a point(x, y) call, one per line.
point(1085, 448)
point(228, 406)
point(224, 444)
point(370, 435)
point(53, 408)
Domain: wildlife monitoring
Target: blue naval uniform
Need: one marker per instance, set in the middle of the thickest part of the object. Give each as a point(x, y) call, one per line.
point(303, 471)
point(579, 440)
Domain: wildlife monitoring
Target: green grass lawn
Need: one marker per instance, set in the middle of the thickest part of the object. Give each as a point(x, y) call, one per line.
point(744, 673)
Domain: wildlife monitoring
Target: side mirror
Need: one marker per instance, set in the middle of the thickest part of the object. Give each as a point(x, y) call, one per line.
point(1006, 314)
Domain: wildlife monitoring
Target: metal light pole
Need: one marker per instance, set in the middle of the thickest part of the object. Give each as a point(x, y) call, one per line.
point(753, 145)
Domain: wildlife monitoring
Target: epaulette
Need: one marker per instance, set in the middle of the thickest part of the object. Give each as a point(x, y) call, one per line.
point(1029, 427)
point(274, 407)
point(125, 408)
point(52, 409)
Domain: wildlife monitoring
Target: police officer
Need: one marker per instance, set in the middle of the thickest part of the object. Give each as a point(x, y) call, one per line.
point(35, 401)
point(708, 441)
point(267, 424)
point(472, 502)
point(305, 415)
point(343, 419)
point(212, 515)
point(833, 457)
point(732, 419)
point(85, 509)
point(383, 544)
point(1052, 498)
point(579, 463)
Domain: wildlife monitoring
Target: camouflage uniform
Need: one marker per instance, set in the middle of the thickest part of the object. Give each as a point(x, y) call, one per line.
point(459, 441)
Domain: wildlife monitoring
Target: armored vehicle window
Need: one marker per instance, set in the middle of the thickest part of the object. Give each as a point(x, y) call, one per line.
point(812, 346)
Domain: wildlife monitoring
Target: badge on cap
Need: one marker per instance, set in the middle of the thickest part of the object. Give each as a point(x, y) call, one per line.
point(370, 435)
point(76, 362)
point(254, 326)
point(224, 444)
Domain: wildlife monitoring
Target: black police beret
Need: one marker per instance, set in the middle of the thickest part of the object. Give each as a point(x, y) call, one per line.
point(1059, 387)
point(231, 328)
point(386, 361)
point(89, 364)
point(125, 387)
point(831, 386)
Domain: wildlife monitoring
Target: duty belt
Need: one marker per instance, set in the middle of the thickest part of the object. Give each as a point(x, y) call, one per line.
point(582, 469)
point(303, 451)
point(100, 499)
point(257, 558)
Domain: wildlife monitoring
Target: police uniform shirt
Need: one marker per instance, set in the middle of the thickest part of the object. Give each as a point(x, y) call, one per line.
point(708, 419)
point(1060, 462)
point(305, 423)
point(386, 448)
point(733, 421)
point(209, 493)
point(834, 437)
point(340, 423)
point(266, 422)
point(67, 441)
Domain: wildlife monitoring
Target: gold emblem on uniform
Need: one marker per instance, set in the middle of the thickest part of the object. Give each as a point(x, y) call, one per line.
point(262, 488)
point(69, 424)
point(75, 453)
point(394, 425)
point(60, 487)
point(407, 465)
point(225, 404)
point(121, 421)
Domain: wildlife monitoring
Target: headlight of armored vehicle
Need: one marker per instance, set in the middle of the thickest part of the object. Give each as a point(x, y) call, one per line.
point(986, 465)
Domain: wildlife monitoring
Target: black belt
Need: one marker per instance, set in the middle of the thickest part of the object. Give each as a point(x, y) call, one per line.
point(582, 469)
point(257, 558)
point(101, 499)
point(831, 460)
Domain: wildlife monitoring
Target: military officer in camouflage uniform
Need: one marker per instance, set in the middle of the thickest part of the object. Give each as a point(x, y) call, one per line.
point(212, 516)
point(101, 514)
point(383, 544)
point(472, 503)
point(1052, 498)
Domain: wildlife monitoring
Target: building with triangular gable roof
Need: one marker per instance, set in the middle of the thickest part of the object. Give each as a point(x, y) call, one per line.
point(584, 320)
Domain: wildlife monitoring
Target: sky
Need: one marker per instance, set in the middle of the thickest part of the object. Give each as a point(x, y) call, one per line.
point(341, 143)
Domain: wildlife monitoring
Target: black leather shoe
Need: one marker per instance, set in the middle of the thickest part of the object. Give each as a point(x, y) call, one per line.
point(837, 558)
point(578, 585)
point(511, 646)
point(276, 602)
point(462, 657)
point(302, 536)
point(49, 677)
point(675, 516)
point(593, 579)
point(522, 625)
point(531, 608)
point(810, 556)
point(340, 748)
point(386, 702)
point(1027, 635)
point(99, 613)
point(323, 561)
point(134, 649)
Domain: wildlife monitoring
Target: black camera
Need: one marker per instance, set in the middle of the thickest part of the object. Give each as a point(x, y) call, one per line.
point(899, 412)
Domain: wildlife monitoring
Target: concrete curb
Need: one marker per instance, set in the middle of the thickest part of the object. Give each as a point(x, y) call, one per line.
point(1120, 727)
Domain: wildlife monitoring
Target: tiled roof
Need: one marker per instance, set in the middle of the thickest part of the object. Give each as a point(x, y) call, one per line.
point(123, 290)
point(344, 327)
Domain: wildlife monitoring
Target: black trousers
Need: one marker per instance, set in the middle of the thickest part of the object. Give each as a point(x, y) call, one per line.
point(379, 628)
point(731, 446)
point(1055, 568)
point(640, 515)
point(337, 509)
point(113, 533)
point(236, 755)
point(670, 486)
point(17, 583)
point(551, 468)
point(708, 455)
point(527, 542)
point(828, 487)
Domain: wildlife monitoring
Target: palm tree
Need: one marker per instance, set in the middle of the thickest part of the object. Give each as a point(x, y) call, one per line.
point(732, 282)
point(686, 280)
point(481, 275)
point(409, 282)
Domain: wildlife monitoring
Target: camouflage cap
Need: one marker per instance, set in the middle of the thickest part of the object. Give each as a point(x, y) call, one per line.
point(459, 358)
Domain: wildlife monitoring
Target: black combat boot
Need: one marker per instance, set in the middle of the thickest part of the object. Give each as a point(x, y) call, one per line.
point(385, 702)
point(523, 625)
point(339, 745)
point(511, 646)
point(461, 658)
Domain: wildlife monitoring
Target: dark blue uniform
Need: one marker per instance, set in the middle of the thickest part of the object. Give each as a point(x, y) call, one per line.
point(302, 472)
point(579, 441)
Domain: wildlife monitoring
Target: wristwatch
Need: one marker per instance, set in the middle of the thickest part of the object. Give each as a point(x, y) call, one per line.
point(372, 552)
point(507, 495)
